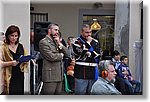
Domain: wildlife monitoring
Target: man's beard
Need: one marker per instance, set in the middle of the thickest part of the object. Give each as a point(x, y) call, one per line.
point(54, 35)
point(113, 80)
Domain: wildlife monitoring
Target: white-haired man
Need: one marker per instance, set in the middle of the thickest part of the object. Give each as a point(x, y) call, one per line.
point(104, 85)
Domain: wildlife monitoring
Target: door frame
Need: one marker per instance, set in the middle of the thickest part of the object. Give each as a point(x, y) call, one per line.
point(99, 12)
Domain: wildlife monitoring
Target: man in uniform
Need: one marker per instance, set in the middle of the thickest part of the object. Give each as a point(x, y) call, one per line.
point(52, 51)
point(87, 54)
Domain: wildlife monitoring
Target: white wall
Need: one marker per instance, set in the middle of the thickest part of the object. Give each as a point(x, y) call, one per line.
point(134, 29)
point(66, 14)
point(1, 16)
point(18, 13)
point(121, 39)
point(1, 11)
point(134, 33)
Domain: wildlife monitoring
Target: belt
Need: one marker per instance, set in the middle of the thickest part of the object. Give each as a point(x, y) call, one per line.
point(86, 64)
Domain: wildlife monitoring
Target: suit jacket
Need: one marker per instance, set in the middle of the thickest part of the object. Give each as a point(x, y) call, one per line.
point(52, 70)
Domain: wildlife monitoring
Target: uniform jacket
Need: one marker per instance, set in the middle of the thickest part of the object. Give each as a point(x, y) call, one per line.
point(52, 70)
point(80, 47)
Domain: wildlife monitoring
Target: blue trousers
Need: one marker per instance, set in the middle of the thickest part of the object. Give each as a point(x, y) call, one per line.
point(137, 85)
point(130, 84)
point(130, 87)
point(83, 87)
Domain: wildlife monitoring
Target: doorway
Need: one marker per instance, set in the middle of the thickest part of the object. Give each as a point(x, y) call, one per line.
point(106, 20)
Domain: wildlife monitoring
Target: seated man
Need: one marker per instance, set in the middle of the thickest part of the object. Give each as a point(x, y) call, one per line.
point(104, 85)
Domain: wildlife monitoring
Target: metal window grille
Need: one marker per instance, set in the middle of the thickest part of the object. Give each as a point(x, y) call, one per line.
point(38, 17)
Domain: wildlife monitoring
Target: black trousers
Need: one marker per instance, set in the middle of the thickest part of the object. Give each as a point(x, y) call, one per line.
point(121, 86)
point(71, 82)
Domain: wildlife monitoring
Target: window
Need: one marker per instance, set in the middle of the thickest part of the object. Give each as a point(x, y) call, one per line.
point(38, 17)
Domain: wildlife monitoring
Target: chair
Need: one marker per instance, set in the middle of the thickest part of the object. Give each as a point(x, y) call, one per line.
point(66, 84)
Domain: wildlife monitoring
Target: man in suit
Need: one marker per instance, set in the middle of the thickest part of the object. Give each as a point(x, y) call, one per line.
point(52, 51)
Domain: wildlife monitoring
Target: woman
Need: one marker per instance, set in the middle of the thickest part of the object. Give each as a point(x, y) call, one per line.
point(13, 70)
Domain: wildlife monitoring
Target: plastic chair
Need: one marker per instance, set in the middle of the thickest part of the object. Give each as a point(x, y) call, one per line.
point(67, 85)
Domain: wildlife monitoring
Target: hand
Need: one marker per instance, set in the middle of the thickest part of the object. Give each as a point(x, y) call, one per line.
point(126, 72)
point(14, 62)
point(57, 39)
point(71, 73)
point(126, 77)
point(131, 78)
point(72, 62)
point(89, 39)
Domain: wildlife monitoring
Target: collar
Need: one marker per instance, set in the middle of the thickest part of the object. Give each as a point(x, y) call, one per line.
point(82, 38)
point(124, 65)
point(104, 80)
point(115, 60)
point(49, 39)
